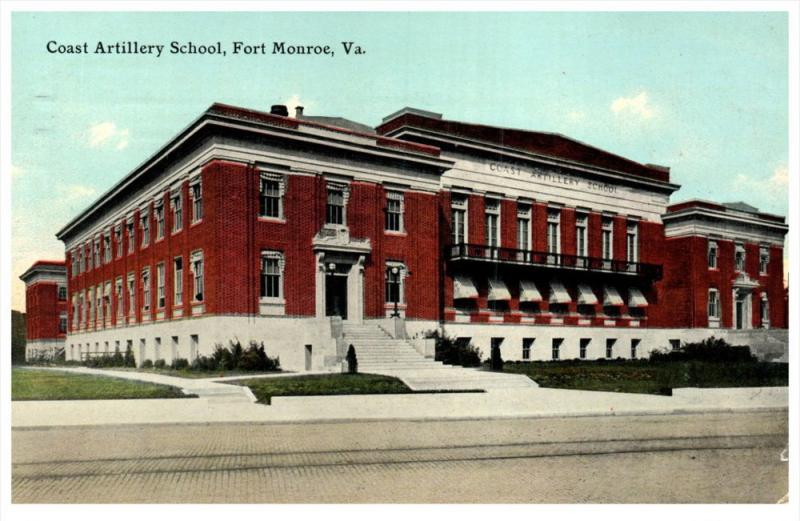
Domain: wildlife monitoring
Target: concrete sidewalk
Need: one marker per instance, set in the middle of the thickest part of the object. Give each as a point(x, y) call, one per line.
point(224, 403)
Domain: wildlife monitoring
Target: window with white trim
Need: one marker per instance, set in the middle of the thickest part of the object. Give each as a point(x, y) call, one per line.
point(81, 261)
point(118, 239)
point(739, 257)
point(84, 306)
point(610, 347)
point(394, 211)
point(608, 238)
point(197, 276)
point(62, 322)
point(336, 210)
point(713, 303)
point(97, 252)
point(583, 347)
point(394, 290)
point(556, 348)
point(196, 191)
point(581, 245)
point(88, 247)
point(492, 230)
point(158, 210)
point(553, 230)
point(75, 311)
point(107, 300)
point(62, 292)
point(73, 264)
point(160, 285)
point(763, 261)
point(146, 289)
point(632, 241)
point(635, 347)
point(176, 207)
point(144, 220)
point(107, 247)
point(131, 294)
point(177, 278)
point(523, 227)
point(271, 195)
point(98, 296)
point(527, 347)
point(131, 235)
point(764, 310)
point(712, 254)
point(119, 294)
point(458, 208)
point(271, 275)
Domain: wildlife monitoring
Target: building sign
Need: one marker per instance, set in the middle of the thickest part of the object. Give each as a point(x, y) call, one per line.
point(544, 176)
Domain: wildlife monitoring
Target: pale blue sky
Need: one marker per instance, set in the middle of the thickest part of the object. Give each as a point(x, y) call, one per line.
point(703, 93)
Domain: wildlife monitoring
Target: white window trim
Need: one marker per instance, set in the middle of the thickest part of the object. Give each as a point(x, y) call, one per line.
point(403, 273)
point(271, 254)
point(554, 217)
point(712, 245)
point(395, 195)
point(193, 258)
point(632, 230)
point(281, 180)
point(345, 189)
point(196, 183)
point(459, 201)
point(607, 225)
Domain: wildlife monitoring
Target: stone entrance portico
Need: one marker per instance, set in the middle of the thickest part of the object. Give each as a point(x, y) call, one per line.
point(339, 255)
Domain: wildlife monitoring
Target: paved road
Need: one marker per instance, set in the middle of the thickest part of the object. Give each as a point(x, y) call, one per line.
point(676, 458)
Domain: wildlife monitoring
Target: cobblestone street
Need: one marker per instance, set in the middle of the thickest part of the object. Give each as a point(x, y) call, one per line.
point(688, 458)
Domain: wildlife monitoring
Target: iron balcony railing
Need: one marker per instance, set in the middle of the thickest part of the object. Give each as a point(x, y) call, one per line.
point(480, 252)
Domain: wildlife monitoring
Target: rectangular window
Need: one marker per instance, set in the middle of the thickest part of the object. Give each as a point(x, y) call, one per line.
point(610, 347)
point(176, 205)
point(527, 347)
point(335, 210)
point(523, 227)
point(608, 238)
point(131, 294)
point(131, 236)
point(89, 256)
point(97, 253)
point(107, 301)
point(118, 290)
point(674, 343)
point(107, 248)
point(556, 354)
point(118, 239)
point(144, 220)
point(62, 322)
point(160, 283)
point(712, 254)
point(159, 214)
point(635, 347)
point(270, 201)
point(553, 230)
point(763, 261)
point(196, 190)
point(146, 289)
point(632, 242)
point(739, 257)
point(73, 266)
point(492, 223)
point(713, 303)
point(197, 274)
point(75, 311)
point(458, 207)
point(98, 306)
point(62, 292)
point(394, 212)
point(395, 273)
point(84, 306)
point(583, 347)
point(764, 311)
point(271, 274)
point(177, 271)
point(581, 248)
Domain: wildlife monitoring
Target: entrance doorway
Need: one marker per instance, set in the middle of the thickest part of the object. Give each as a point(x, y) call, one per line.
point(336, 295)
point(739, 313)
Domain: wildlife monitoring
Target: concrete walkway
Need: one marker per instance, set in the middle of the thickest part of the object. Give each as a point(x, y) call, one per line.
point(221, 403)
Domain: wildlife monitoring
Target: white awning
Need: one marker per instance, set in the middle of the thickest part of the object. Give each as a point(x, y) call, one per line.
point(558, 293)
point(636, 298)
point(586, 295)
point(498, 290)
point(463, 287)
point(528, 292)
point(611, 296)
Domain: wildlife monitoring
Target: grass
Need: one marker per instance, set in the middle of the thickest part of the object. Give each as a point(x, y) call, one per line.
point(645, 377)
point(193, 373)
point(38, 384)
point(325, 384)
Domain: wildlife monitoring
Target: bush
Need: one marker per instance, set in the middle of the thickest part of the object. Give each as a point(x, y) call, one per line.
point(204, 363)
point(453, 352)
point(180, 363)
point(160, 364)
point(352, 360)
point(235, 357)
point(496, 360)
point(129, 360)
point(709, 350)
point(147, 364)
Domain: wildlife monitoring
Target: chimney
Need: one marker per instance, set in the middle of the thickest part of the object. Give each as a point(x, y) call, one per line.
point(279, 110)
point(298, 112)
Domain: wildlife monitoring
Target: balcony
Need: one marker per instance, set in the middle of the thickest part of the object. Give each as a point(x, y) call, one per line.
point(482, 253)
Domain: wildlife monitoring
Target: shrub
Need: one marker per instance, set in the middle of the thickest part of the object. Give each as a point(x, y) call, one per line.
point(454, 352)
point(117, 360)
point(147, 364)
point(160, 364)
point(180, 363)
point(129, 360)
point(204, 363)
point(709, 350)
point(352, 360)
point(496, 360)
point(235, 357)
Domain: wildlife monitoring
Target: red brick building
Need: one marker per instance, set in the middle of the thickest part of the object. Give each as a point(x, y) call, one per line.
point(46, 302)
point(280, 229)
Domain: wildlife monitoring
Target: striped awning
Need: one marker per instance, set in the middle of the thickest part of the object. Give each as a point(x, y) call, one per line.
point(636, 298)
point(611, 296)
point(463, 287)
point(586, 295)
point(558, 293)
point(528, 292)
point(498, 290)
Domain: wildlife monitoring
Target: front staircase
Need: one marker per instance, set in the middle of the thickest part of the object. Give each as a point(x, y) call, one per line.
point(378, 353)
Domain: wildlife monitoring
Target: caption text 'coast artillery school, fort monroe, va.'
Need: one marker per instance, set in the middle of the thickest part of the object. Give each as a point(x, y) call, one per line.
point(310, 233)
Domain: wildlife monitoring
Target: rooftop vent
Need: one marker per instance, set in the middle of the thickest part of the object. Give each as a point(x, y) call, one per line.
point(279, 110)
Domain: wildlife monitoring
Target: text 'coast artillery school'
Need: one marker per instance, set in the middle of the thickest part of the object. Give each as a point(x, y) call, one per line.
point(301, 231)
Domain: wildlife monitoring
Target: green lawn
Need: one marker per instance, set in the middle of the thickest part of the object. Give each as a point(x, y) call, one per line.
point(642, 376)
point(38, 384)
point(192, 373)
point(312, 385)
